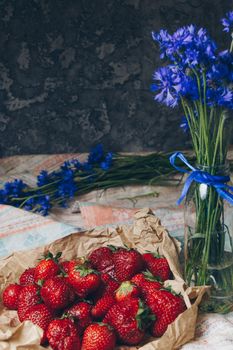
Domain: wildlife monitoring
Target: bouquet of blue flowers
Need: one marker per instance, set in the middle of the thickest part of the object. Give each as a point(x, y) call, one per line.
point(101, 170)
point(200, 78)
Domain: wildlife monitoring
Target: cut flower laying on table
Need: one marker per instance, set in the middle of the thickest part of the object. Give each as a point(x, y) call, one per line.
point(200, 78)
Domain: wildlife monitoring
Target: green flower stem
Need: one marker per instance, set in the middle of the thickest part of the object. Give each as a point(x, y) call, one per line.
point(207, 240)
point(231, 47)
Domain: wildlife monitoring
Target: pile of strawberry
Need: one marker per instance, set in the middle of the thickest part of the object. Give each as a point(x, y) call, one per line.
point(114, 296)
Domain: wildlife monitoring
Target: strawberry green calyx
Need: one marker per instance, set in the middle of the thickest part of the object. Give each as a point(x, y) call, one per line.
point(151, 277)
point(112, 247)
point(102, 324)
point(57, 257)
point(169, 289)
point(85, 271)
point(65, 315)
point(143, 315)
point(40, 283)
point(125, 288)
point(155, 254)
point(68, 317)
point(49, 256)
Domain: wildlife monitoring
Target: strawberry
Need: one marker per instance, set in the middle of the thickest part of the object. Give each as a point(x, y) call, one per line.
point(126, 290)
point(102, 306)
point(64, 267)
point(28, 297)
point(145, 282)
point(127, 263)
point(47, 267)
point(101, 259)
point(99, 336)
point(166, 307)
point(110, 284)
point(57, 293)
point(27, 277)
point(10, 296)
point(67, 265)
point(157, 265)
point(84, 280)
point(41, 316)
point(127, 318)
point(59, 329)
point(69, 343)
point(81, 313)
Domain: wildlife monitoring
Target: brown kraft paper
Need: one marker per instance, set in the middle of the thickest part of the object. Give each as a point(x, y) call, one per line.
point(146, 233)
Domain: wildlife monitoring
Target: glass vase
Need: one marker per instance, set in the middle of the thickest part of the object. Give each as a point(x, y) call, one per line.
point(208, 248)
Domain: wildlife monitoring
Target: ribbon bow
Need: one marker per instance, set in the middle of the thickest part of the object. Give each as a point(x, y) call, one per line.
point(202, 177)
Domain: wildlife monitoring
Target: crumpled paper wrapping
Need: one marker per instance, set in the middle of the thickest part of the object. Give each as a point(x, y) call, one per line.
point(146, 233)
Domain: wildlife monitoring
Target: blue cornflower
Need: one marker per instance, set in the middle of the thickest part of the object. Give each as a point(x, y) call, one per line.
point(106, 164)
point(66, 165)
point(164, 40)
point(227, 22)
point(201, 50)
point(188, 46)
point(66, 174)
point(184, 124)
point(168, 84)
point(181, 40)
point(29, 205)
point(218, 72)
point(86, 166)
point(3, 197)
point(39, 205)
point(226, 58)
point(220, 96)
point(14, 188)
point(66, 189)
point(76, 163)
point(44, 178)
point(96, 154)
point(44, 205)
point(189, 88)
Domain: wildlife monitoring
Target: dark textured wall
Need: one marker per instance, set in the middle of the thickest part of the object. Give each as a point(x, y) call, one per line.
point(74, 73)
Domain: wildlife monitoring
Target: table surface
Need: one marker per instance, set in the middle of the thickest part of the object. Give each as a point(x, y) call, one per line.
point(21, 230)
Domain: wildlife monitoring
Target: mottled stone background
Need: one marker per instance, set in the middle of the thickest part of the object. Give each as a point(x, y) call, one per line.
point(74, 73)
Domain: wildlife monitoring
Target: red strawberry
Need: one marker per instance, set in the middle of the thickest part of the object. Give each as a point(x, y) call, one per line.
point(69, 343)
point(27, 277)
point(47, 267)
point(57, 293)
point(81, 313)
point(28, 297)
point(72, 263)
point(126, 290)
point(145, 282)
point(10, 296)
point(157, 265)
point(83, 279)
point(60, 329)
point(127, 317)
point(166, 307)
point(41, 316)
point(127, 263)
point(99, 336)
point(110, 284)
point(102, 306)
point(64, 267)
point(101, 259)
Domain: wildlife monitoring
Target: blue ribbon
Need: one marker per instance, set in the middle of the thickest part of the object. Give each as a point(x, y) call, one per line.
point(202, 177)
